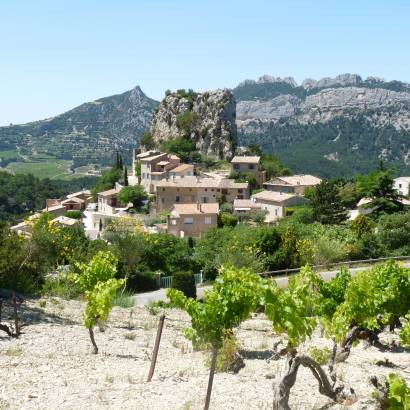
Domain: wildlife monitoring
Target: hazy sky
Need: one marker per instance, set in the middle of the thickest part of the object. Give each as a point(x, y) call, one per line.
point(57, 54)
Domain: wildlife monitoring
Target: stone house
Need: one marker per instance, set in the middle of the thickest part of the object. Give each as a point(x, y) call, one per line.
point(192, 219)
point(275, 203)
point(295, 184)
point(198, 190)
point(401, 185)
point(155, 166)
point(248, 164)
point(108, 201)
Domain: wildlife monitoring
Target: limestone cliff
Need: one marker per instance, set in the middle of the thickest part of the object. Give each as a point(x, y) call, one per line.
point(208, 119)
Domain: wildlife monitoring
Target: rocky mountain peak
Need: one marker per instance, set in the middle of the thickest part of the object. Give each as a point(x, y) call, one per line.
point(208, 119)
point(341, 80)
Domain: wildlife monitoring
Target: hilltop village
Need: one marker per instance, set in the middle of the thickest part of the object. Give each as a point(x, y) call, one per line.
point(180, 199)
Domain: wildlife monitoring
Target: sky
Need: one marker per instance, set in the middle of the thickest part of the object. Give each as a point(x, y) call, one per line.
point(57, 54)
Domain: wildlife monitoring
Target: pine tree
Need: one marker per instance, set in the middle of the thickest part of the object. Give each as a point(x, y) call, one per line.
point(125, 176)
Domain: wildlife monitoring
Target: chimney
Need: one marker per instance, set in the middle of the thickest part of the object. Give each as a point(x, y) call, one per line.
point(197, 178)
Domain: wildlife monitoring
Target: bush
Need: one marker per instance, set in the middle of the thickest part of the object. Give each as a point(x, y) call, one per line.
point(124, 299)
point(74, 214)
point(63, 287)
point(142, 282)
point(227, 219)
point(185, 282)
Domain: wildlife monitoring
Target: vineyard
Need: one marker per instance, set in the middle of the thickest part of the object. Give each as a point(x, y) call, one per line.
point(314, 345)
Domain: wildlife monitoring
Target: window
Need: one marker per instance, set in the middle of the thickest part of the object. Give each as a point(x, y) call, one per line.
point(188, 220)
point(173, 221)
point(163, 189)
point(208, 220)
point(177, 198)
point(206, 189)
point(236, 166)
point(240, 191)
point(162, 200)
point(251, 166)
point(204, 199)
point(224, 192)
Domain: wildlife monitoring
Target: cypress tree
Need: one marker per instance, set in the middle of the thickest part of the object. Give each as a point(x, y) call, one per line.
point(120, 163)
point(125, 176)
point(100, 226)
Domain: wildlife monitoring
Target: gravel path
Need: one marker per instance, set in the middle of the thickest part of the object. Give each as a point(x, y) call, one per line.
point(51, 365)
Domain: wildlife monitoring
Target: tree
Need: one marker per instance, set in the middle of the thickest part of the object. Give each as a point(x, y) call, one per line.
point(134, 194)
point(125, 176)
point(107, 181)
point(234, 296)
point(97, 281)
point(379, 185)
point(147, 141)
point(326, 204)
point(185, 282)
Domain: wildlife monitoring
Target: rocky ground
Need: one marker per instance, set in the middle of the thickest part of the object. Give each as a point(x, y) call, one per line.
point(51, 365)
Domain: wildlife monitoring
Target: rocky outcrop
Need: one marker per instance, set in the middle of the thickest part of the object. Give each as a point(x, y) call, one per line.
point(208, 119)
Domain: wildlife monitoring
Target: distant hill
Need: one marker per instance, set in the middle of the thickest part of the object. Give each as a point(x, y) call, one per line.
point(330, 127)
point(88, 133)
point(334, 126)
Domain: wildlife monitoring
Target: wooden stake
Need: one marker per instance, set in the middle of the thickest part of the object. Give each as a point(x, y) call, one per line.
point(16, 318)
point(156, 348)
point(91, 332)
point(211, 378)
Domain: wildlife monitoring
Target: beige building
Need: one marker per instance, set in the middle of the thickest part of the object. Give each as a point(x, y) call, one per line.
point(248, 164)
point(182, 171)
point(108, 201)
point(155, 166)
point(192, 219)
point(245, 206)
point(295, 184)
point(198, 190)
point(275, 203)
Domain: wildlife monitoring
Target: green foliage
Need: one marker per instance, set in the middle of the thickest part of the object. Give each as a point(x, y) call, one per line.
point(185, 282)
point(234, 296)
point(405, 332)
point(398, 395)
point(134, 194)
point(185, 121)
point(248, 177)
point(228, 219)
point(124, 298)
point(64, 286)
point(362, 226)
point(147, 141)
point(379, 185)
point(106, 182)
point(97, 281)
point(373, 299)
point(74, 214)
point(273, 166)
point(20, 269)
point(326, 204)
point(321, 356)
point(183, 147)
point(290, 309)
point(393, 233)
point(226, 354)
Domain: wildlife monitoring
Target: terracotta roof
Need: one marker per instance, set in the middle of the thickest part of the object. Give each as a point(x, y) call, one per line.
point(245, 160)
point(53, 208)
point(189, 182)
point(245, 204)
point(73, 199)
point(182, 167)
point(230, 183)
point(196, 182)
point(75, 194)
point(274, 196)
point(110, 192)
point(195, 209)
point(295, 180)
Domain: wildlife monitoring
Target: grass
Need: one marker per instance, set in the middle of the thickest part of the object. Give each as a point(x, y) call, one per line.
point(124, 299)
point(8, 154)
point(14, 352)
point(49, 169)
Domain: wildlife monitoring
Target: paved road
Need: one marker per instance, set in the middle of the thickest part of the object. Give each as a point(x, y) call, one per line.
point(282, 281)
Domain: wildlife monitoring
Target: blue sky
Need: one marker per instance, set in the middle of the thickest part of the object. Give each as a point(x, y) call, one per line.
point(57, 54)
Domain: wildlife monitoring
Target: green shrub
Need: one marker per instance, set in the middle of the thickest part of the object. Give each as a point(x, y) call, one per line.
point(64, 286)
point(124, 299)
point(74, 214)
point(185, 282)
point(228, 219)
point(142, 282)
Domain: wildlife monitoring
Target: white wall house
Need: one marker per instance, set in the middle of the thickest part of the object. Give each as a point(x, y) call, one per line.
point(401, 185)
